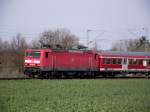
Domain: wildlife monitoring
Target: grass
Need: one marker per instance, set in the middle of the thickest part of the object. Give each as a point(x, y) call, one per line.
point(75, 96)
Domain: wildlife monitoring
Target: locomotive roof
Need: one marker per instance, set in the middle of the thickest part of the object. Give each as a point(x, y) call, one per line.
point(125, 53)
point(84, 50)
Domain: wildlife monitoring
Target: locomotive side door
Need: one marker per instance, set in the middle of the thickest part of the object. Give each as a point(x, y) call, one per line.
point(124, 64)
point(48, 60)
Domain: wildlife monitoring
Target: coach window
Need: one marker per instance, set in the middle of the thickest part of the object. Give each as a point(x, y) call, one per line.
point(114, 61)
point(119, 61)
point(46, 55)
point(108, 61)
point(104, 60)
point(134, 62)
point(130, 61)
point(137, 61)
point(140, 62)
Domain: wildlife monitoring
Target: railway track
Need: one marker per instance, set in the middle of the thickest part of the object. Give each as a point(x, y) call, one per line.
point(115, 78)
point(14, 78)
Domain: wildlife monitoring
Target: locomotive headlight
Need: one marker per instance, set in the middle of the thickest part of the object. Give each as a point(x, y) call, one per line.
point(27, 61)
point(36, 61)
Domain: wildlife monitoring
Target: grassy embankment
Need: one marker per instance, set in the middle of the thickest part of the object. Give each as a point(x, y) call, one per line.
point(75, 96)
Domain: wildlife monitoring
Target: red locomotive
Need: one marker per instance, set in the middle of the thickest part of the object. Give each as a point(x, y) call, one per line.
point(80, 63)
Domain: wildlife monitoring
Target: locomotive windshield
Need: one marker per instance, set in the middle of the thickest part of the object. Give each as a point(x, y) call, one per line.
point(33, 54)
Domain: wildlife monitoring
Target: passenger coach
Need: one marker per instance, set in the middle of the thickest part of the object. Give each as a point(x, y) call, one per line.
point(126, 62)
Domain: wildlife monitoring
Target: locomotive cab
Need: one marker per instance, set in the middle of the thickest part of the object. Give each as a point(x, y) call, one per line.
point(32, 58)
point(35, 60)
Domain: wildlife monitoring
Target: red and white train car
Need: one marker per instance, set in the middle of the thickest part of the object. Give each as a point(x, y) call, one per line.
point(129, 62)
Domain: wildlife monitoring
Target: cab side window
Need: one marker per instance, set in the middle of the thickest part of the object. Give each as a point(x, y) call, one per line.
point(46, 54)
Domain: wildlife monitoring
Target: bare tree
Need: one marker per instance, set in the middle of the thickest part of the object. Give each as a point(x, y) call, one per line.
point(35, 44)
point(141, 44)
point(1, 43)
point(121, 45)
point(61, 37)
point(18, 44)
point(68, 40)
point(4, 45)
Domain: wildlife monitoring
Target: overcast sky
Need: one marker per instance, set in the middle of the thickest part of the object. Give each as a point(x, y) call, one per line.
point(115, 17)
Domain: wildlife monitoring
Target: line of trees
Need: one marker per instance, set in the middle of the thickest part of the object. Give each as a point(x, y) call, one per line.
point(138, 45)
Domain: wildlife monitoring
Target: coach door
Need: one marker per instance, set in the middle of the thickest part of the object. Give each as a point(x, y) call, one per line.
point(97, 62)
point(125, 64)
